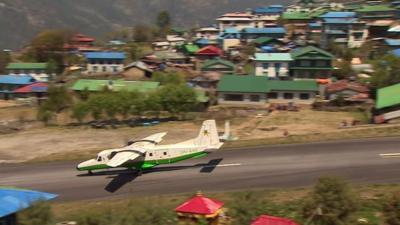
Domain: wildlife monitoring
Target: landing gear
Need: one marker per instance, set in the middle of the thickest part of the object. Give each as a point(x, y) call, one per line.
point(140, 173)
point(90, 172)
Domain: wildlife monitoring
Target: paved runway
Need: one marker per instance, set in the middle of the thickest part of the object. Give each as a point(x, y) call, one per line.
point(261, 167)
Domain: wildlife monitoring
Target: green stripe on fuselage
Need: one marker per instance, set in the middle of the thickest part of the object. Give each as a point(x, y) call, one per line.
point(148, 164)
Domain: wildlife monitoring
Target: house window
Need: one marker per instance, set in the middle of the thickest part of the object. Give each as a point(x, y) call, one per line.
point(255, 98)
point(305, 63)
point(104, 69)
point(321, 63)
point(272, 95)
point(265, 66)
point(277, 69)
point(115, 69)
point(288, 95)
point(304, 96)
point(233, 97)
point(95, 68)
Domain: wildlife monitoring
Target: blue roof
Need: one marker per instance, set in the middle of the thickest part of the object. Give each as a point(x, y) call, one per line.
point(340, 20)
point(16, 79)
point(14, 200)
point(231, 30)
point(105, 55)
point(315, 25)
point(392, 42)
point(268, 30)
point(338, 15)
point(202, 41)
point(267, 10)
point(396, 52)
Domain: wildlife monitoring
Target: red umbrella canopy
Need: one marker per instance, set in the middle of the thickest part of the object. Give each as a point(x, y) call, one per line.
point(200, 205)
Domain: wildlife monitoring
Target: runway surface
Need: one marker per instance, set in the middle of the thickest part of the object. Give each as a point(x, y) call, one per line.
point(261, 167)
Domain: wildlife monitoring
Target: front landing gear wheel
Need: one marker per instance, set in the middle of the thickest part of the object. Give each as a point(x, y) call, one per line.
point(140, 173)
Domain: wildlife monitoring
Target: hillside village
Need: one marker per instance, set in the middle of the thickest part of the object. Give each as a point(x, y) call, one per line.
point(307, 55)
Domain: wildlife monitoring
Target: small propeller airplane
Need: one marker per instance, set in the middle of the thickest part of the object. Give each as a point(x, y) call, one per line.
point(146, 153)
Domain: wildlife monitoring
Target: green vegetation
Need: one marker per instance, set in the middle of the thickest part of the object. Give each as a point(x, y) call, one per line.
point(39, 214)
point(331, 202)
point(341, 204)
point(59, 99)
point(387, 71)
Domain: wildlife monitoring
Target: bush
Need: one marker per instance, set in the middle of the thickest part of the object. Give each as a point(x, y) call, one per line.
point(391, 210)
point(332, 202)
point(38, 214)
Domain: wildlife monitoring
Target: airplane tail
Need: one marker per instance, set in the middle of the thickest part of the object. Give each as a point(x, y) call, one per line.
point(208, 135)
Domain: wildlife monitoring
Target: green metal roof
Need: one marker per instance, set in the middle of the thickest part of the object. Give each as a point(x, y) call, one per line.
point(375, 8)
point(212, 62)
point(388, 96)
point(302, 15)
point(273, 57)
point(296, 16)
point(311, 52)
point(190, 48)
point(201, 96)
point(261, 84)
point(26, 66)
point(118, 85)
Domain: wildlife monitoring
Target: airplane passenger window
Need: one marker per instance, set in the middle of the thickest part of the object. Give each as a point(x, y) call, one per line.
point(165, 153)
point(151, 154)
point(99, 159)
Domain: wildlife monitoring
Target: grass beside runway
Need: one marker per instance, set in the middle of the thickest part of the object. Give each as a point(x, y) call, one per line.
point(282, 202)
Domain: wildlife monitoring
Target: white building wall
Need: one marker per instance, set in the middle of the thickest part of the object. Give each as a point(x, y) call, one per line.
point(105, 68)
point(271, 71)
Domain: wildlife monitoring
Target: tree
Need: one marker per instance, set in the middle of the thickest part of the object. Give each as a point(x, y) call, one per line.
point(38, 214)
point(163, 22)
point(246, 206)
point(143, 33)
point(168, 78)
point(79, 111)
point(135, 51)
point(391, 210)
point(330, 203)
point(45, 115)
point(48, 46)
point(177, 99)
point(5, 58)
point(58, 99)
point(386, 71)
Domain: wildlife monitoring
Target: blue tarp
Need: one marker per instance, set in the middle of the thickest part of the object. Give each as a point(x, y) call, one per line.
point(14, 200)
point(338, 15)
point(16, 79)
point(396, 52)
point(105, 55)
point(392, 42)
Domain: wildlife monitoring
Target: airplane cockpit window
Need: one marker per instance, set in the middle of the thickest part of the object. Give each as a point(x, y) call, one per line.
point(98, 158)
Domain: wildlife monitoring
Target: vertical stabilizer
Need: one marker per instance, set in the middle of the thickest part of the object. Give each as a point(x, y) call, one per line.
point(208, 136)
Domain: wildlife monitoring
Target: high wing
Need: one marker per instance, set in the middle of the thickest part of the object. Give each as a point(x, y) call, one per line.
point(124, 156)
point(148, 141)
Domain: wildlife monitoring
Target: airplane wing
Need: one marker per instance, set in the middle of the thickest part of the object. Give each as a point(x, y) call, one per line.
point(124, 156)
point(149, 141)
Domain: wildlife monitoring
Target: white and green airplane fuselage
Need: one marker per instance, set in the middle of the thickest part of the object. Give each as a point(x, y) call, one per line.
point(145, 154)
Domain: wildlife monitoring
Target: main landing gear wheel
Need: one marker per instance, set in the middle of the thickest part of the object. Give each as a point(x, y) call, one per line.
point(140, 173)
point(90, 172)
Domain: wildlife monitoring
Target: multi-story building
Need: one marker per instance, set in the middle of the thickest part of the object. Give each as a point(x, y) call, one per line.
point(39, 71)
point(236, 20)
point(311, 63)
point(272, 65)
point(210, 33)
point(104, 62)
point(347, 32)
point(267, 16)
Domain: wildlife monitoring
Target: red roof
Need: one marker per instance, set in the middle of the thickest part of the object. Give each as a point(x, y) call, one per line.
point(272, 220)
point(200, 205)
point(346, 85)
point(210, 50)
point(35, 87)
point(82, 38)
